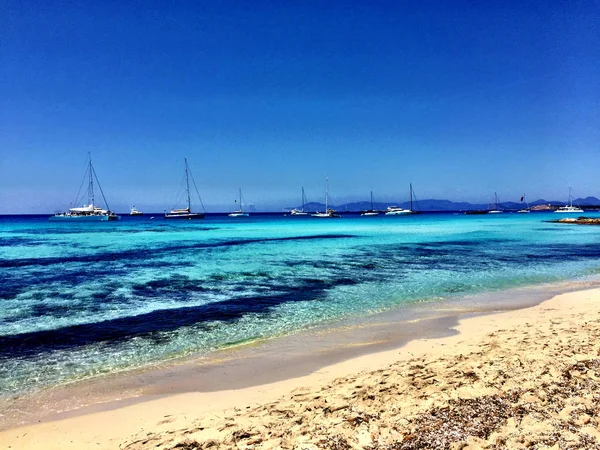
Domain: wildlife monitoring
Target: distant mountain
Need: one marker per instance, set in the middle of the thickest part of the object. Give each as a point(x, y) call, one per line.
point(441, 205)
point(588, 201)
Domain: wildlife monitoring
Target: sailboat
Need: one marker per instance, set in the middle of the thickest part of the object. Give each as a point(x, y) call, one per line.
point(91, 211)
point(239, 212)
point(496, 206)
point(300, 212)
point(569, 208)
point(329, 213)
point(370, 212)
point(397, 211)
point(186, 213)
point(524, 210)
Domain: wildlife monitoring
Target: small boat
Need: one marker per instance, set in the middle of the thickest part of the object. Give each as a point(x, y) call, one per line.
point(397, 211)
point(569, 208)
point(370, 212)
point(300, 212)
point(186, 213)
point(239, 212)
point(329, 213)
point(495, 208)
point(476, 211)
point(135, 212)
point(91, 211)
point(524, 210)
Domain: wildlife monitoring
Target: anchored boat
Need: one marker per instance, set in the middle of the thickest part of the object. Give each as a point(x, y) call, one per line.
point(91, 211)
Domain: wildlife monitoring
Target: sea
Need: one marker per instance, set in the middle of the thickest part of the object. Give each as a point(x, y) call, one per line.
point(80, 301)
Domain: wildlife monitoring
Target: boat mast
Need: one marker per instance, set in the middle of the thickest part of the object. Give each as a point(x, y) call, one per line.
point(411, 196)
point(371, 200)
point(326, 194)
point(91, 181)
point(187, 185)
point(240, 199)
point(303, 197)
point(570, 198)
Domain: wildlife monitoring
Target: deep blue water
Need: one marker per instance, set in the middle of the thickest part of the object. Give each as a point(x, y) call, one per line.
point(80, 300)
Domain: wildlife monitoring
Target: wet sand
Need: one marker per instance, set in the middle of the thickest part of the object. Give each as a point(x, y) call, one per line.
point(380, 398)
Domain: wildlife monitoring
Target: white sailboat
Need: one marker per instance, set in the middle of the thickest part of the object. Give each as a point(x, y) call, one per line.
point(398, 211)
point(186, 213)
point(496, 206)
point(300, 212)
point(524, 210)
point(329, 213)
point(91, 211)
point(569, 208)
point(370, 212)
point(240, 212)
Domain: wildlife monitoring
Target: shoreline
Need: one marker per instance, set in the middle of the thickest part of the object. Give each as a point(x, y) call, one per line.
point(273, 359)
point(81, 430)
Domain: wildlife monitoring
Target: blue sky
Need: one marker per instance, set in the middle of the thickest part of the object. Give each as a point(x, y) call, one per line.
point(460, 99)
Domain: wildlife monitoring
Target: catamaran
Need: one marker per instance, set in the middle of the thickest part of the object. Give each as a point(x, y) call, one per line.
point(496, 206)
point(569, 208)
point(329, 213)
point(239, 212)
point(186, 213)
point(300, 212)
point(89, 212)
point(524, 210)
point(370, 212)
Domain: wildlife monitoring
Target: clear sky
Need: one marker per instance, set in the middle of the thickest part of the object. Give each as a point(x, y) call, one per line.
point(460, 98)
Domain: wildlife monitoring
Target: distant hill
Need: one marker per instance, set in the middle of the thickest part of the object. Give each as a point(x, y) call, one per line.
point(442, 205)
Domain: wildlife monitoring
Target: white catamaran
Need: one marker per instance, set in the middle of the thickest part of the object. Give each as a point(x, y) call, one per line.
point(300, 212)
point(186, 213)
point(91, 211)
point(240, 212)
point(569, 208)
point(329, 213)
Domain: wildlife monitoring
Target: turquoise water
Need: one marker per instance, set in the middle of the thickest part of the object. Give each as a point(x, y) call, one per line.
point(80, 300)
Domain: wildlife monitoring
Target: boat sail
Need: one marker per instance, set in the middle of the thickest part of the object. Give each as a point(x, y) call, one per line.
point(329, 213)
point(496, 206)
point(240, 212)
point(300, 212)
point(524, 210)
point(91, 211)
point(569, 208)
point(370, 212)
point(186, 213)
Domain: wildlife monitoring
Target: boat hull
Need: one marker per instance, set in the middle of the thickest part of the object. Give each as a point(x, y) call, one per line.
point(398, 213)
point(569, 211)
point(238, 215)
point(188, 216)
point(326, 216)
point(83, 218)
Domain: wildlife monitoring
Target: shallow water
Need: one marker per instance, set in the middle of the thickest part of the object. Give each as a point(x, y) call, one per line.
point(80, 300)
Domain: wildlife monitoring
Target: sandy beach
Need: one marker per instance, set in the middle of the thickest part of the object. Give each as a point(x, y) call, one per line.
point(528, 378)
